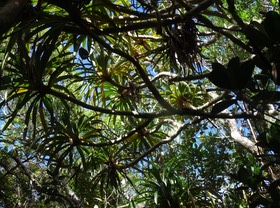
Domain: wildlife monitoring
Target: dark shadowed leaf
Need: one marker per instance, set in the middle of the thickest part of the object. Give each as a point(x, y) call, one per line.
point(234, 77)
point(219, 76)
point(83, 53)
point(267, 96)
point(219, 107)
point(246, 71)
point(257, 38)
point(233, 66)
point(271, 24)
point(243, 174)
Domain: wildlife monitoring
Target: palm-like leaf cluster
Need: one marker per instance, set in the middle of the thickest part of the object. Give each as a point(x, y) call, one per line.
point(113, 103)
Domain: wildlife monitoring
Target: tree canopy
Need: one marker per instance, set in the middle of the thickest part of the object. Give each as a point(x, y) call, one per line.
point(139, 103)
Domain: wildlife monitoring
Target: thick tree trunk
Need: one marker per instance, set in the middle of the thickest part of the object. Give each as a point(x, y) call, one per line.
point(9, 14)
point(238, 138)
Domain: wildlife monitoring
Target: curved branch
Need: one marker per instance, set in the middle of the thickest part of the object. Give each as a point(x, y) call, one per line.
point(182, 112)
point(99, 109)
point(213, 101)
point(164, 21)
point(164, 113)
point(209, 24)
point(237, 137)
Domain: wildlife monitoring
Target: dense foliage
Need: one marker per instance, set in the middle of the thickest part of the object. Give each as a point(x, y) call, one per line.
point(140, 103)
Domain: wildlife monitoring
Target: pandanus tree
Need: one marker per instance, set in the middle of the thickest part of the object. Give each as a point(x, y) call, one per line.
point(135, 103)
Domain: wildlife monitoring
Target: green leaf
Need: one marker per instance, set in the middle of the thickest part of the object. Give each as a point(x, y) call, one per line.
point(29, 110)
point(43, 117)
point(82, 154)
point(49, 46)
point(22, 101)
point(156, 197)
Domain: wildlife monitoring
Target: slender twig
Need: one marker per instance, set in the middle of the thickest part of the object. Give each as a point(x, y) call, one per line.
point(209, 24)
point(243, 26)
point(249, 123)
point(213, 101)
point(116, 141)
point(154, 23)
point(164, 141)
point(158, 76)
point(144, 37)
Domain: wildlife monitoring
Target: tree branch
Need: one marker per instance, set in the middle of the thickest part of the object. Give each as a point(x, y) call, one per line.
point(186, 112)
point(189, 78)
point(180, 128)
point(138, 67)
point(61, 95)
point(116, 141)
point(238, 138)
